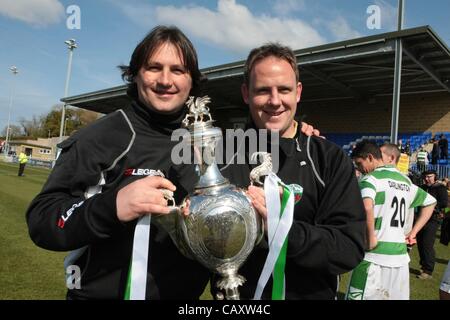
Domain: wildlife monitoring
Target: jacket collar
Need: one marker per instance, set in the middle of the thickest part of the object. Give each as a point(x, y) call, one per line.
point(288, 146)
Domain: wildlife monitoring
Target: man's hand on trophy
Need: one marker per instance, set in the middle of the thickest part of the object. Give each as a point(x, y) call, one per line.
point(143, 197)
point(258, 198)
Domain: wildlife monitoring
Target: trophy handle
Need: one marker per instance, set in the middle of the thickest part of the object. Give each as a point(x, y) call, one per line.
point(170, 222)
point(262, 170)
point(168, 195)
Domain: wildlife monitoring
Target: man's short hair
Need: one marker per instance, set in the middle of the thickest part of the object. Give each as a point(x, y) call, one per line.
point(366, 147)
point(392, 150)
point(270, 50)
point(151, 42)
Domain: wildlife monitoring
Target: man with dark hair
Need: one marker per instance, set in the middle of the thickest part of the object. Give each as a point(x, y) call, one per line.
point(107, 178)
point(326, 238)
point(387, 195)
point(427, 236)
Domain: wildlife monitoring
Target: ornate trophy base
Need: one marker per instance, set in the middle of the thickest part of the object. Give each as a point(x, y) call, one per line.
point(229, 284)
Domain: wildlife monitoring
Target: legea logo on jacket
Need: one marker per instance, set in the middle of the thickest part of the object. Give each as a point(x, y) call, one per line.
point(65, 216)
point(142, 172)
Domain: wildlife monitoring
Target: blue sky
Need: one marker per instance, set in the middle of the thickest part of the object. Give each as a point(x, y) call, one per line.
point(32, 35)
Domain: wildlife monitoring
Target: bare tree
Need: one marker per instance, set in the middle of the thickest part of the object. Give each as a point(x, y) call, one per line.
point(33, 128)
point(14, 131)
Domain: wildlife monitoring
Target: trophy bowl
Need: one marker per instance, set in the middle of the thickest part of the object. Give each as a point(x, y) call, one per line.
point(221, 231)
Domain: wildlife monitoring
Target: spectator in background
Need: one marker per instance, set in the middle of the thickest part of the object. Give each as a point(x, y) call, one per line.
point(408, 148)
point(435, 152)
point(443, 145)
point(427, 236)
point(422, 159)
point(400, 145)
point(23, 159)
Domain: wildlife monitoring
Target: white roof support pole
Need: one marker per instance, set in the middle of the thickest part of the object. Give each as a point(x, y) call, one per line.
point(397, 76)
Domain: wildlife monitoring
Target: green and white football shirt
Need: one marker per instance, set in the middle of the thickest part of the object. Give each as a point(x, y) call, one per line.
point(393, 195)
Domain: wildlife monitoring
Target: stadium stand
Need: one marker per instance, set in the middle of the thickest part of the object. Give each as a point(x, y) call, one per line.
point(416, 140)
point(346, 141)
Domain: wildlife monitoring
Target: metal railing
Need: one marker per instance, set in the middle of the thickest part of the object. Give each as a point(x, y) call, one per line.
point(442, 171)
point(34, 162)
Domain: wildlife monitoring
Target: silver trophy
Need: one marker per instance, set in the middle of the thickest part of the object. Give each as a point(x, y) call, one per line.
point(222, 227)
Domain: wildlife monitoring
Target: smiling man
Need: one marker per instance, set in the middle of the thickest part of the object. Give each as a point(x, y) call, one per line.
point(273, 95)
point(327, 235)
point(163, 81)
point(106, 178)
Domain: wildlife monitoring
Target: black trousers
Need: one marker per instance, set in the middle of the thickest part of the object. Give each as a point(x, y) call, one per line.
point(444, 154)
point(421, 166)
point(425, 245)
point(21, 169)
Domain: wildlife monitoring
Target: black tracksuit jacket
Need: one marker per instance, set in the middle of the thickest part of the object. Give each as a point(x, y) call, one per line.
point(327, 237)
point(438, 191)
point(77, 206)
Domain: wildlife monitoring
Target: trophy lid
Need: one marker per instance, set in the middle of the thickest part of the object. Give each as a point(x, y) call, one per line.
point(203, 136)
point(203, 132)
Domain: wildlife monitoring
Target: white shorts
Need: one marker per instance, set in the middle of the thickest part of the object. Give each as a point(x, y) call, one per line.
point(445, 283)
point(370, 281)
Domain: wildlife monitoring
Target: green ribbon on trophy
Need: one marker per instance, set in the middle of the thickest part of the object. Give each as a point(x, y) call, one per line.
point(280, 216)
